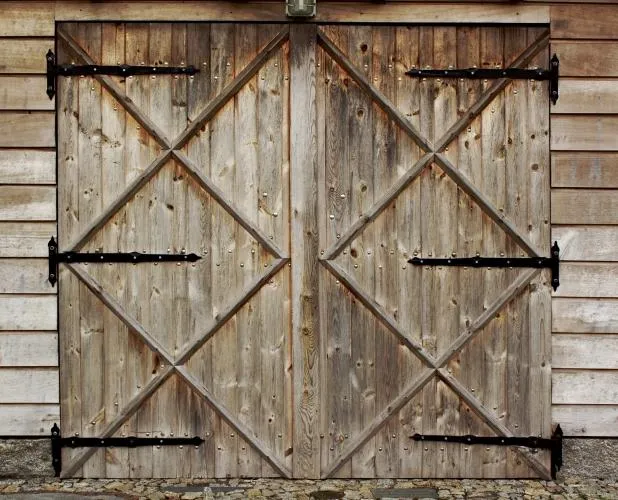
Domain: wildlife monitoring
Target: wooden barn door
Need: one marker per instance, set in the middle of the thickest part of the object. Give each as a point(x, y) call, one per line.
point(431, 168)
point(176, 164)
point(305, 169)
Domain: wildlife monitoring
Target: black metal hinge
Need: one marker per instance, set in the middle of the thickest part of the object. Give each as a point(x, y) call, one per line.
point(552, 262)
point(54, 70)
point(101, 258)
point(58, 442)
point(554, 443)
point(551, 74)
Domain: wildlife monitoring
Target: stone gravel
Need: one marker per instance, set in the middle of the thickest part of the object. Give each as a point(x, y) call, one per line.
point(571, 487)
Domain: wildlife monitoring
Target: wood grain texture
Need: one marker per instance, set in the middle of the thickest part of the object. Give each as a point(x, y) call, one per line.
point(28, 349)
point(584, 206)
point(583, 21)
point(583, 279)
point(586, 420)
point(574, 387)
point(28, 419)
point(584, 133)
point(587, 243)
point(29, 385)
point(586, 58)
point(27, 166)
point(24, 92)
point(584, 315)
point(25, 276)
point(587, 96)
point(24, 55)
point(27, 130)
point(25, 239)
point(585, 351)
point(27, 19)
point(329, 12)
point(304, 244)
point(18, 312)
point(582, 170)
point(27, 203)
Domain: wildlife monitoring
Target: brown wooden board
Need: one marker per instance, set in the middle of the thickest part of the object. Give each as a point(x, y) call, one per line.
point(305, 169)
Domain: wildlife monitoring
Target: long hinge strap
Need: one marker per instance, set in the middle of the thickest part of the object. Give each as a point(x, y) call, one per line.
point(552, 74)
point(554, 443)
point(552, 262)
point(102, 258)
point(59, 442)
point(54, 70)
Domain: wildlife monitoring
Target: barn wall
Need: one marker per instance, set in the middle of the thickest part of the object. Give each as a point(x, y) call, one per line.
point(584, 132)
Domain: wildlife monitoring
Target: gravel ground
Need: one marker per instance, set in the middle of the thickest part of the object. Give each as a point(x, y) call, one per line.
point(159, 489)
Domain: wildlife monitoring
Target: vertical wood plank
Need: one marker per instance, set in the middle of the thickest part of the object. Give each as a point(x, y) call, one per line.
point(304, 244)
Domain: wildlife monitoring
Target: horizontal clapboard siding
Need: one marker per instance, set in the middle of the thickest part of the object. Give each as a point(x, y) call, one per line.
point(24, 55)
point(587, 58)
point(28, 419)
point(25, 93)
point(584, 206)
point(29, 385)
point(587, 96)
point(577, 21)
point(586, 243)
point(584, 170)
point(587, 351)
point(28, 312)
point(27, 129)
point(584, 133)
point(588, 279)
point(27, 166)
point(25, 239)
point(28, 203)
point(587, 420)
point(28, 349)
point(584, 387)
point(584, 315)
point(21, 276)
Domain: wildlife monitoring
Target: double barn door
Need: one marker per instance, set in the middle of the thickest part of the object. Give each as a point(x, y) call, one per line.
point(305, 169)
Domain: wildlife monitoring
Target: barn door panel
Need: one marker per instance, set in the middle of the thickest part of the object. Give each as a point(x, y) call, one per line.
point(176, 164)
point(458, 168)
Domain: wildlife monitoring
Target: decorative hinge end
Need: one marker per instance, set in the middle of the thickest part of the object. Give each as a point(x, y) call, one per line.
point(51, 74)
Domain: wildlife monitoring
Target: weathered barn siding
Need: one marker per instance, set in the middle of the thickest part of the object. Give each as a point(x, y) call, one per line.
point(584, 131)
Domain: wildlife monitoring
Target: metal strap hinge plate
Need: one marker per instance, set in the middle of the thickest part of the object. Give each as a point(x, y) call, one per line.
point(58, 442)
point(552, 74)
point(54, 70)
point(102, 258)
point(552, 262)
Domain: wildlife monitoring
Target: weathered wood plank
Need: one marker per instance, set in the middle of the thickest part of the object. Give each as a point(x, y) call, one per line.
point(583, 21)
point(27, 19)
point(583, 279)
point(25, 239)
point(581, 170)
point(586, 420)
point(19, 312)
point(589, 59)
point(27, 130)
point(18, 55)
point(584, 206)
point(329, 12)
point(28, 419)
point(27, 166)
point(24, 92)
point(585, 351)
point(28, 349)
point(29, 385)
point(304, 244)
point(587, 243)
point(584, 133)
point(584, 315)
point(574, 387)
point(24, 276)
point(27, 203)
point(587, 96)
